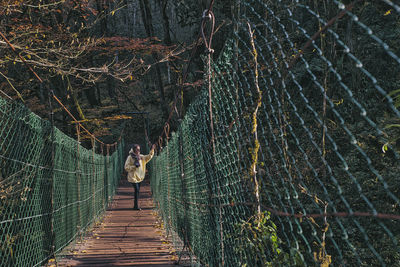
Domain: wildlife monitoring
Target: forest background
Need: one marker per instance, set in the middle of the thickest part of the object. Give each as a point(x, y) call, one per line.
point(103, 59)
point(328, 131)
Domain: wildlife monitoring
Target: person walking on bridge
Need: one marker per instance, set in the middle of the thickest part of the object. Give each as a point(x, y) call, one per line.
point(135, 166)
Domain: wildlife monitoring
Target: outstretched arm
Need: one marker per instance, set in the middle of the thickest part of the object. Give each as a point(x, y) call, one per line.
point(148, 157)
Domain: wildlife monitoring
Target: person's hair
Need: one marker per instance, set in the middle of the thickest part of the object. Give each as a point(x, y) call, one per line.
point(134, 156)
point(135, 146)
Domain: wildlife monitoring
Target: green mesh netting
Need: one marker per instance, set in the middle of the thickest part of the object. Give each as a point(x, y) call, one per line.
point(324, 141)
point(46, 203)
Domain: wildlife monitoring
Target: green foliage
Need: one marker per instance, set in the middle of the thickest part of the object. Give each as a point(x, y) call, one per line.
point(259, 245)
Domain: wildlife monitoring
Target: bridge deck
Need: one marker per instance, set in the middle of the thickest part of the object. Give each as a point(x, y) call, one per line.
point(126, 237)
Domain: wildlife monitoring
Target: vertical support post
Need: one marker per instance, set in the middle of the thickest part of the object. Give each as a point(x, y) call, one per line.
point(208, 14)
point(146, 132)
point(78, 177)
point(51, 177)
point(104, 178)
point(184, 192)
point(235, 15)
point(169, 184)
point(93, 178)
point(147, 128)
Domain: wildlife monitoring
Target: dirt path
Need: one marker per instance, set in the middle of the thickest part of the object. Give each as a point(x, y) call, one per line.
point(126, 237)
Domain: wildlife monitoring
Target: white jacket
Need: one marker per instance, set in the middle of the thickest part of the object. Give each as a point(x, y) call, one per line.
point(136, 175)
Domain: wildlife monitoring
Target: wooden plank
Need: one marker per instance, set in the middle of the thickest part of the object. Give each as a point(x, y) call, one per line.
point(126, 237)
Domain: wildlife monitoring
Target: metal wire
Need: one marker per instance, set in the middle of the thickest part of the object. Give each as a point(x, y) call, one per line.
point(47, 201)
point(328, 155)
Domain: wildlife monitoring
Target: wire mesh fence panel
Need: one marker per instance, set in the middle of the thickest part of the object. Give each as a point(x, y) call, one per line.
point(297, 164)
point(51, 188)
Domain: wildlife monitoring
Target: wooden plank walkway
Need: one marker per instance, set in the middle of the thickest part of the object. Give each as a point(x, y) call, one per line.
point(126, 237)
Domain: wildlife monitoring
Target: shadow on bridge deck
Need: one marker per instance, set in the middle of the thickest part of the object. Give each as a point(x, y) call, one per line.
point(125, 237)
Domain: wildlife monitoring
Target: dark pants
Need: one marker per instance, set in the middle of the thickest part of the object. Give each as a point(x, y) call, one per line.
point(136, 187)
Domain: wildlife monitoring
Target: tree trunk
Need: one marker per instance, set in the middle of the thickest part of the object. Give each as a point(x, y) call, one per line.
point(91, 96)
point(98, 94)
point(146, 17)
point(111, 90)
point(102, 11)
point(147, 22)
point(167, 36)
